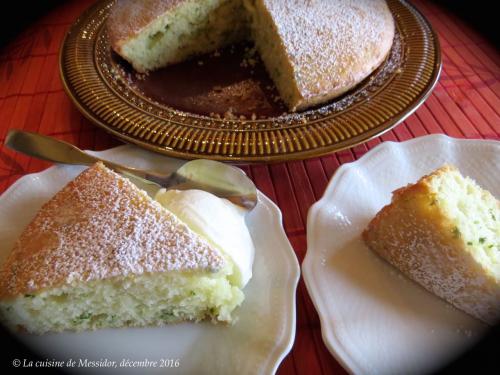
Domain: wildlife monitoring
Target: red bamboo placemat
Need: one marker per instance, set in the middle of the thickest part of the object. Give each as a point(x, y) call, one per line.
point(464, 104)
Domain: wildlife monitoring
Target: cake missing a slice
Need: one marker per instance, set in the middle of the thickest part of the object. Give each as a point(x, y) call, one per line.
point(313, 50)
point(444, 233)
point(101, 253)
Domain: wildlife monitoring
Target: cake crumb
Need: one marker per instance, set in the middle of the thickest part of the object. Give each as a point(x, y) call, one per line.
point(229, 114)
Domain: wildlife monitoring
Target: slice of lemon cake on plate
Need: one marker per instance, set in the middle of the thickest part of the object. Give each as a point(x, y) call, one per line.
point(102, 253)
point(444, 233)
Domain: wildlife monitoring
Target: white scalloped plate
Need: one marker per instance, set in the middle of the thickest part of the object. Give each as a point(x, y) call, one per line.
point(373, 319)
point(256, 344)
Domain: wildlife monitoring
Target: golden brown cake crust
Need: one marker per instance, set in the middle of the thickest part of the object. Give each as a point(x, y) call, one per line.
point(129, 17)
point(100, 226)
point(413, 234)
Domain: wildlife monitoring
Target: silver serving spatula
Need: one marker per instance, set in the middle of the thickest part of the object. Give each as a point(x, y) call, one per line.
point(220, 179)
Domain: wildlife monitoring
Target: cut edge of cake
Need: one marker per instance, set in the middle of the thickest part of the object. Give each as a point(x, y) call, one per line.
point(140, 33)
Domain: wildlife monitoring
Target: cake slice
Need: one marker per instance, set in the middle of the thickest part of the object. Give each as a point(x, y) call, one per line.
point(444, 233)
point(102, 253)
point(151, 34)
point(317, 50)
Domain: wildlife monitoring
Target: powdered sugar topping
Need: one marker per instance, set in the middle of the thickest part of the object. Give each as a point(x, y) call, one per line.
point(101, 226)
point(343, 40)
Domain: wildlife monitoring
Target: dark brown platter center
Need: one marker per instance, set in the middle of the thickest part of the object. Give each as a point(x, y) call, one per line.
point(230, 83)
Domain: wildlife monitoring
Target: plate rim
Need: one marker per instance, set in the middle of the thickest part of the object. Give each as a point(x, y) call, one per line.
point(328, 334)
point(287, 340)
point(318, 151)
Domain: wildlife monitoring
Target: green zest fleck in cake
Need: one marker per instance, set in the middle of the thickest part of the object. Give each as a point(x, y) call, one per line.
point(101, 253)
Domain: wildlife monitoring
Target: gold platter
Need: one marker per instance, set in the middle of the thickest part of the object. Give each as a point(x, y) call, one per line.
point(167, 119)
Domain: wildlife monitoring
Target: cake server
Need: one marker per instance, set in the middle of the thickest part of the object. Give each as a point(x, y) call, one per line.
point(222, 180)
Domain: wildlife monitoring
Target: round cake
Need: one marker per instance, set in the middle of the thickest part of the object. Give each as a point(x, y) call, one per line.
point(313, 50)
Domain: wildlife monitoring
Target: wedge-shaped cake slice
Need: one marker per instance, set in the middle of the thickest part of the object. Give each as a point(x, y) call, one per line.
point(101, 253)
point(444, 233)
